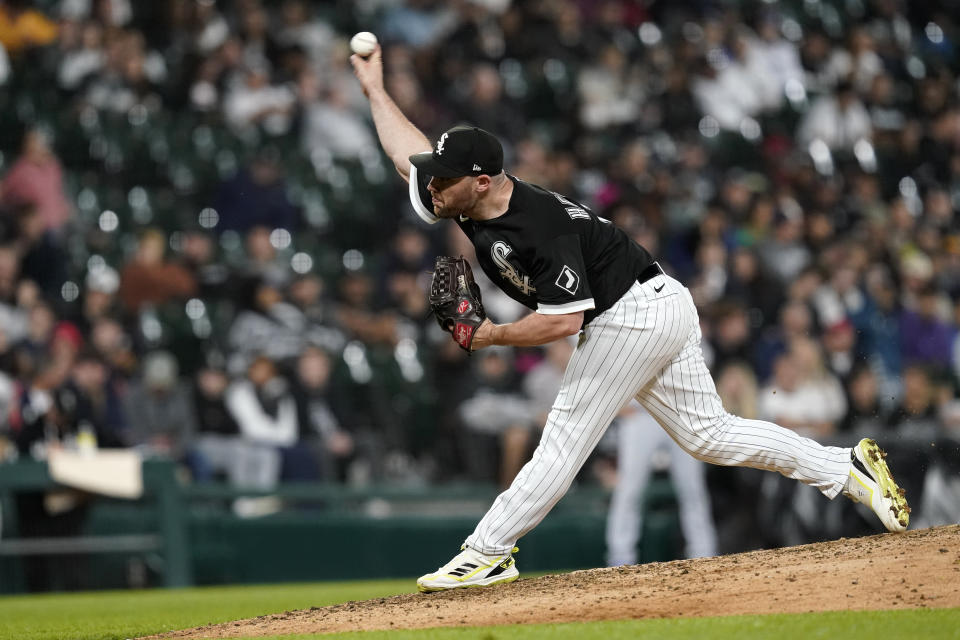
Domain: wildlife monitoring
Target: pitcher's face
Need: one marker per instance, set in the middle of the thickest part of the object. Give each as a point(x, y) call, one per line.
point(453, 197)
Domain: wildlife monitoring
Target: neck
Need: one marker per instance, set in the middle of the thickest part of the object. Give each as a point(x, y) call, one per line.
point(497, 200)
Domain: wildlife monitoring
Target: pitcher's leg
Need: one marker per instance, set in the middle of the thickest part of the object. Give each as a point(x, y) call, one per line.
point(684, 401)
point(622, 351)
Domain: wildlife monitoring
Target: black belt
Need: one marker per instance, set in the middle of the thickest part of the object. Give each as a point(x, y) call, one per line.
point(651, 271)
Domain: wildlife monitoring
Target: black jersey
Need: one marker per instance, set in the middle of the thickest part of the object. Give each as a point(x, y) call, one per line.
point(549, 253)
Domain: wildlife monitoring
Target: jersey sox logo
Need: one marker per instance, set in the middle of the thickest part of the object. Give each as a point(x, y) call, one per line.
point(499, 252)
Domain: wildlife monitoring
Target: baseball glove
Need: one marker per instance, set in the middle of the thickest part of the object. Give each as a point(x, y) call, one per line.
point(455, 299)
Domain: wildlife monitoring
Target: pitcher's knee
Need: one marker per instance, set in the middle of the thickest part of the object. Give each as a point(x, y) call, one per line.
point(710, 443)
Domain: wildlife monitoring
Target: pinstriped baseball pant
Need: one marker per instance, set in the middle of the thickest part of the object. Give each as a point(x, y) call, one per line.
point(646, 346)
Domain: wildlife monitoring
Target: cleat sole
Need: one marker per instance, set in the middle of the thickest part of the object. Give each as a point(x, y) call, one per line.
point(875, 457)
point(424, 589)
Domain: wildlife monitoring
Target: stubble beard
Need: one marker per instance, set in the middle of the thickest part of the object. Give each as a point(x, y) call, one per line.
point(449, 213)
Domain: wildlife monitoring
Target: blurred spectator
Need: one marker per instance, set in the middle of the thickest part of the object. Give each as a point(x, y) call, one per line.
point(217, 449)
point(262, 259)
point(784, 254)
point(838, 120)
point(839, 341)
point(803, 395)
point(113, 13)
point(256, 102)
point(99, 297)
point(306, 294)
point(334, 445)
point(725, 91)
point(730, 339)
point(13, 307)
point(751, 286)
point(265, 324)
point(927, 339)
point(878, 324)
point(780, 55)
point(484, 104)
point(83, 54)
point(356, 312)
point(260, 49)
point(131, 75)
point(264, 408)
point(256, 195)
point(916, 416)
point(299, 28)
point(149, 279)
point(22, 27)
point(42, 259)
point(418, 23)
point(859, 62)
point(542, 383)
point(498, 420)
point(331, 123)
point(165, 422)
point(36, 178)
point(114, 346)
point(865, 414)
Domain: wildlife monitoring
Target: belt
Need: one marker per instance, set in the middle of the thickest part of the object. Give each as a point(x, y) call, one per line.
point(650, 272)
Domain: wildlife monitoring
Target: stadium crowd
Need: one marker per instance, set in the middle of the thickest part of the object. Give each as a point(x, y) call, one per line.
point(203, 256)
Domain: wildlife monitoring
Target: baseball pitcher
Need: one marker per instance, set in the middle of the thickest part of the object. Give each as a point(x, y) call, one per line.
point(639, 337)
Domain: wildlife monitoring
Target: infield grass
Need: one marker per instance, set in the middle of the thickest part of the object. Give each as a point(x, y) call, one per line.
point(113, 615)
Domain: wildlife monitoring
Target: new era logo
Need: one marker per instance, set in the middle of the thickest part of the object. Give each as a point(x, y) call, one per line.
point(476, 167)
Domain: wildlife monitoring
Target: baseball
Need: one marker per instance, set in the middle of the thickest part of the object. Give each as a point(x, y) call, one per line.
point(363, 43)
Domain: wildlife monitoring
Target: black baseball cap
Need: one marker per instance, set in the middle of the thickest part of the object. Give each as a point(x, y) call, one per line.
point(462, 151)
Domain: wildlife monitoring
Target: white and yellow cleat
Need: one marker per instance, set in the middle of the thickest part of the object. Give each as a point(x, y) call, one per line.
point(871, 483)
point(471, 569)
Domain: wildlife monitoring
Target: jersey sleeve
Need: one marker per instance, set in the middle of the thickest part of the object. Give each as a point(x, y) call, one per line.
point(420, 197)
point(559, 275)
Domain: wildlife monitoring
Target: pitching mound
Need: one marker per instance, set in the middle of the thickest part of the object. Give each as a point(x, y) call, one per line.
point(915, 569)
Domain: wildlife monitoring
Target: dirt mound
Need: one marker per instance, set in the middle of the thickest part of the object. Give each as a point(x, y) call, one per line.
point(915, 569)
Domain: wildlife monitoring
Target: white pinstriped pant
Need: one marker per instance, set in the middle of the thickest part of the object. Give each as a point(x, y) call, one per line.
point(646, 346)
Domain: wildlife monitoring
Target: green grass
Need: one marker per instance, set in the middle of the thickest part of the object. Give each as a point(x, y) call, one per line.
point(127, 614)
point(105, 615)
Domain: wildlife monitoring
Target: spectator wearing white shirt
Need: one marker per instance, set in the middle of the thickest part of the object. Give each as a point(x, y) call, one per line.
point(330, 122)
point(860, 63)
point(839, 120)
point(725, 92)
point(782, 57)
point(266, 412)
point(256, 102)
point(81, 62)
point(610, 95)
point(803, 395)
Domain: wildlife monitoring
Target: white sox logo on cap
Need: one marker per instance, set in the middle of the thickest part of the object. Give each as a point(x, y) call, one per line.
point(440, 142)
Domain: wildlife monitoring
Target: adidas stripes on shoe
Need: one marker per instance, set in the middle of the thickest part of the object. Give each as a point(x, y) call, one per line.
point(470, 568)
